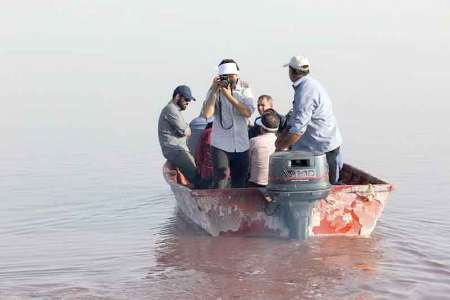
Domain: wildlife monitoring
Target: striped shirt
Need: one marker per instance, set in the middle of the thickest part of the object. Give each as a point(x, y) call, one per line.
point(229, 131)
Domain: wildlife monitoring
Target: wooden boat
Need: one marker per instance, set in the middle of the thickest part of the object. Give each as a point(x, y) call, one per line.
point(351, 209)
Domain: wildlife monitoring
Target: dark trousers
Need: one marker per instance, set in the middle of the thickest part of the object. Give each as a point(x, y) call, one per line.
point(224, 163)
point(334, 160)
point(185, 162)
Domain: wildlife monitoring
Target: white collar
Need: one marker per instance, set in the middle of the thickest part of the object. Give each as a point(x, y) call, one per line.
point(298, 81)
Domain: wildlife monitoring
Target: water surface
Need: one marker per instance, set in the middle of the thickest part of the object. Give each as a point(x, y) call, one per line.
point(84, 210)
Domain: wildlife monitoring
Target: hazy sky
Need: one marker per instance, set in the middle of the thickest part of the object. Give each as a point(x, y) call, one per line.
point(114, 64)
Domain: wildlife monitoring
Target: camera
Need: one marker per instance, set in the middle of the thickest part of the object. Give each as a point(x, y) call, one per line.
point(224, 81)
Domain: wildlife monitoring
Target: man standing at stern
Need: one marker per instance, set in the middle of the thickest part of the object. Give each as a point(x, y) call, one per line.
point(313, 126)
point(230, 101)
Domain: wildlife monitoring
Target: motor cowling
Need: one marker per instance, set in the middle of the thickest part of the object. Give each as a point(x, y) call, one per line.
point(297, 179)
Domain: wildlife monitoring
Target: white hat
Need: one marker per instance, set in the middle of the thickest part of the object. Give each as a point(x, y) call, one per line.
point(228, 68)
point(298, 62)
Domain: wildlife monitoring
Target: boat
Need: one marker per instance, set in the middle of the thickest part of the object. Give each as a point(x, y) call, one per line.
point(350, 209)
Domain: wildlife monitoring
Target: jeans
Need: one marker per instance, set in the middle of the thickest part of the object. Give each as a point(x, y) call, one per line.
point(236, 163)
point(335, 163)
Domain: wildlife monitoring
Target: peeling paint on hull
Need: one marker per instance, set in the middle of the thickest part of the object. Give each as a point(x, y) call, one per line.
point(350, 210)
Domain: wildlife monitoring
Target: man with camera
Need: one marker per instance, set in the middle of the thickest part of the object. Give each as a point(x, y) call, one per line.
point(230, 101)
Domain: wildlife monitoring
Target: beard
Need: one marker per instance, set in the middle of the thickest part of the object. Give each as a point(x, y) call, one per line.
point(181, 105)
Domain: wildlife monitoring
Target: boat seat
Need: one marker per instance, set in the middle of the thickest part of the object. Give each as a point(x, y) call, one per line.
point(353, 176)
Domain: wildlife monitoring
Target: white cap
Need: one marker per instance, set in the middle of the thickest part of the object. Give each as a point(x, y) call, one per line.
point(228, 68)
point(298, 62)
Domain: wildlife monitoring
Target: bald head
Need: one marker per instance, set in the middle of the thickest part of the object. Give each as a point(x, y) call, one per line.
point(264, 103)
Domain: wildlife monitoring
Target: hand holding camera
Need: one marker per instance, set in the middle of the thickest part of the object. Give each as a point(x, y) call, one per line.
point(215, 83)
point(224, 81)
point(225, 85)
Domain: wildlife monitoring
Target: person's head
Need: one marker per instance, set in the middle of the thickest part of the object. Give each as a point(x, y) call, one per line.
point(298, 67)
point(228, 67)
point(182, 96)
point(269, 122)
point(264, 103)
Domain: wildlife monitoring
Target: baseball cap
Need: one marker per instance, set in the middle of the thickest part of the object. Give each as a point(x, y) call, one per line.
point(298, 62)
point(184, 91)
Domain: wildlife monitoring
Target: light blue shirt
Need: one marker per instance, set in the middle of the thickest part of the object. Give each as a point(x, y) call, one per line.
point(313, 118)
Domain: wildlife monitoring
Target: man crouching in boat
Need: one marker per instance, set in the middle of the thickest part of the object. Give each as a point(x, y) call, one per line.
point(230, 101)
point(173, 131)
point(313, 126)
point(262, 146)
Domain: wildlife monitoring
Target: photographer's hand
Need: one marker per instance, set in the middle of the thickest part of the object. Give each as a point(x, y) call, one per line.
point(243, 110)
point(226, 91)
point(215, 84)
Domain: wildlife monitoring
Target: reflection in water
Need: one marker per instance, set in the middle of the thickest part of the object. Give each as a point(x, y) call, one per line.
point(191, 264)
point(112, 234)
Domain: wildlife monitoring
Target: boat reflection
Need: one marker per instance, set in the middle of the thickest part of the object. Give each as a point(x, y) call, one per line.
point(191, 264)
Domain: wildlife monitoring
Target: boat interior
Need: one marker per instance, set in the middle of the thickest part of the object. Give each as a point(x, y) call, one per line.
point(349, 175)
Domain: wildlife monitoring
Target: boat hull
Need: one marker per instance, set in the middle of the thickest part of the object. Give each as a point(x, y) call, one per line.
point(351, 210)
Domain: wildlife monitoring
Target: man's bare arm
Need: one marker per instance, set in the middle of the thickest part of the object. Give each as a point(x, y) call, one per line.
point(286, 140)
point(241, 107)
point(210, 103)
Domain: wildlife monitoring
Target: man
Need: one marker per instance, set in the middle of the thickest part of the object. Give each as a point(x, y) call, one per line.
point(230, 101)
point(261, 147)
point(313, 126)
point(173, 131)
point(265, 102)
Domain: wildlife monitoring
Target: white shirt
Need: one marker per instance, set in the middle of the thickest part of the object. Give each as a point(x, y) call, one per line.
point(230, 128)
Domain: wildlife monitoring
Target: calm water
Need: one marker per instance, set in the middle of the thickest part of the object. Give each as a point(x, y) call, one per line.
point(86, 214)
point(84, 210)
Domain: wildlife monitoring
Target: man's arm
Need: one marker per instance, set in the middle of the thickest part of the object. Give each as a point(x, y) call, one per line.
point(241, 107)
point(286, 140)
point(210, 102)
point(303, 108)
point(177, 122)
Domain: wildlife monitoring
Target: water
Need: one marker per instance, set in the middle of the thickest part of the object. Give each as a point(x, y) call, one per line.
point(84, 210)
point(86, 214)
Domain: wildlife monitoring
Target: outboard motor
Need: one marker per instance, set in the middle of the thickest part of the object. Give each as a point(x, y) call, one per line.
point(297, 179)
